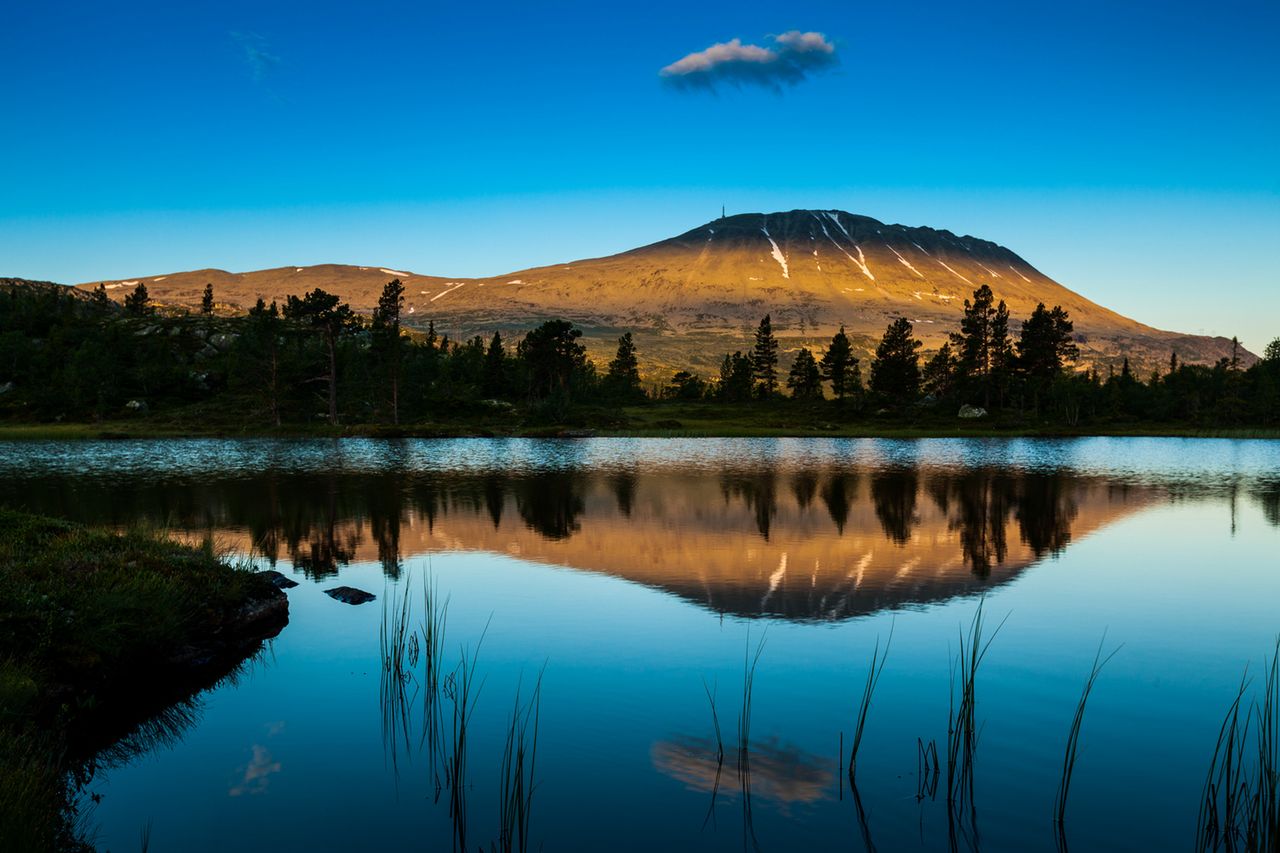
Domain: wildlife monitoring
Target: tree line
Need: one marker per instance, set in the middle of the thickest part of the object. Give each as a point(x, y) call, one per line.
point(67, 356)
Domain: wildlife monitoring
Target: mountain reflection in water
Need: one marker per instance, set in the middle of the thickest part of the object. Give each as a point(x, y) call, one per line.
point(802, 543)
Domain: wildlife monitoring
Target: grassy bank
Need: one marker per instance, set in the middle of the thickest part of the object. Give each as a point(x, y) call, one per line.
point(97, 631)
point(664, 419)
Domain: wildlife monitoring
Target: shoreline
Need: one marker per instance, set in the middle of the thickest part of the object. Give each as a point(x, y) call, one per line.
point(144, 431)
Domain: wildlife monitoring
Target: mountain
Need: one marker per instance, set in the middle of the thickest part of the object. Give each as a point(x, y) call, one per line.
point(693, 297)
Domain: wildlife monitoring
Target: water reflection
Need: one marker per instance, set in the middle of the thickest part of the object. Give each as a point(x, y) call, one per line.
point(777, 537)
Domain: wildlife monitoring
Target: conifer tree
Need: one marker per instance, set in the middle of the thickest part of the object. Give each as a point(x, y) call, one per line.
point(206, 301)
point(330, 318)
point(138, 303)
point(839, 366)
point(495, 367)
point(895, 372)
point(388, 344)
point(623, 377)
point(804, 379)
point(764, 359)
point(735, 378)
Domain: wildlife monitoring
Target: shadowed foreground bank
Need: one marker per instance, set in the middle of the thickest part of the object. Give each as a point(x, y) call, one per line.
point(98, 633)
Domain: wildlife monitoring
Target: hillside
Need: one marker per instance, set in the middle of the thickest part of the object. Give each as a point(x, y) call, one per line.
point(693, 297)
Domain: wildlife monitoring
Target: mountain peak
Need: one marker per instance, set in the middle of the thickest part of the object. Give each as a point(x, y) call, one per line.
point(812, 271)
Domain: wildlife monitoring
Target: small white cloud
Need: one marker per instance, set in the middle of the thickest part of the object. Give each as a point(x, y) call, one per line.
point(791, 59)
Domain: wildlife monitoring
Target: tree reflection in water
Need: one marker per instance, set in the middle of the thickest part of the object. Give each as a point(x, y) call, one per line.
point(798, 541)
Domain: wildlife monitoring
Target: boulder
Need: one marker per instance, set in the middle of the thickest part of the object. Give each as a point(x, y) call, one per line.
point(349, 595)
point(279, 580)
point(6, 387)
point(136, 406)
point(968, 412)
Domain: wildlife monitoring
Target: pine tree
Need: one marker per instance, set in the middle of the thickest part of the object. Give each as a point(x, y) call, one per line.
point(100, 298)
point(262, 341)
point(895, 372)
point(839, 367)
point(1173, 363)
point(206, 301)
point(553, 356)
point(1045, 347)
point(984, 356)
point(495, 367)
point(764, 359)
point(938, 377)
point(324, 313)
point(735, 378)
point(804, 379)
point(388, 344)
point(623, 377)
point(138, 303)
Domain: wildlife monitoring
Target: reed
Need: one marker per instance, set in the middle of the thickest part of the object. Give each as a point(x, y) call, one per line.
point(460, 688)
point(864, 705)
point(516, 773)
point(962, 727)
point(1240, 804)
point(749, 663)
point(715, 721)
point(1073, 735)
point(435, 613)
point(398, 650)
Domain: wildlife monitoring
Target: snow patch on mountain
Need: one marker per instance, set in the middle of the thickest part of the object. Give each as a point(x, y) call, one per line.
point(954, 273)
point(903, 260)
point(777, 254)
point(1020, 275)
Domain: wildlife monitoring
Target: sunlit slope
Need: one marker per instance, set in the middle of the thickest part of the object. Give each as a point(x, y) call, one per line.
point(693, 296)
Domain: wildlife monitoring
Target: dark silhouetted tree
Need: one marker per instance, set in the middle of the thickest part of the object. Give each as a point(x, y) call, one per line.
point(938, 377)
point(553, 355)
point(623, 378)
point(138, 303)
point(804, 379)
point(495, 367)
point(206, 301)
point(388, 344)
point(764, 359)
point(331, 319)
point(735, 378)
point(895, 372)
point(840, 367)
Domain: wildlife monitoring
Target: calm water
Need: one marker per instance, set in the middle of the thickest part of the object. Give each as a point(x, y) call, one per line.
point(631, 572)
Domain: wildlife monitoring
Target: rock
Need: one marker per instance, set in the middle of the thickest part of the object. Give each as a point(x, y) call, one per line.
point(223, 340)
point(6, 387)
point(279, 580)
point(967, 411)
point(349, 595)
point(498, 405)
point(136, 406)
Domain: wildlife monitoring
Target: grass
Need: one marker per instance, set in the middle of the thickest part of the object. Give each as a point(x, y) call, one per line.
point(962, 725)
point(864, 705)
point(1073, 734)
point(1240, 804)
point(516, 773)
point(462, 691)
point(660, 419)
point(749, 664)
point(91, 624)
point(399, 650)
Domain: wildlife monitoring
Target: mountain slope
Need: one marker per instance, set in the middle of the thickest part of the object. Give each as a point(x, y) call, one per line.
point(691, 297)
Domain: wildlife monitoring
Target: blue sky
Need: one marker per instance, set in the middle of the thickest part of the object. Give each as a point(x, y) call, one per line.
point(1126, 149)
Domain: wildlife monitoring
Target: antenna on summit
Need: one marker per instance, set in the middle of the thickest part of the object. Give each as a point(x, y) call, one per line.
point(722, 211)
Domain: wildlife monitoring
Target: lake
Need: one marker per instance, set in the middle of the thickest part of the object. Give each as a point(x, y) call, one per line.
point(630, 582)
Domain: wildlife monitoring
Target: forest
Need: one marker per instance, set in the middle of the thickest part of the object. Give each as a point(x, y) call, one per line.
point(71, 356)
